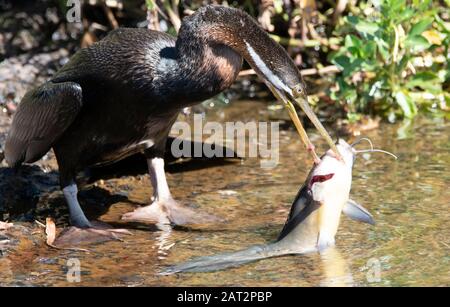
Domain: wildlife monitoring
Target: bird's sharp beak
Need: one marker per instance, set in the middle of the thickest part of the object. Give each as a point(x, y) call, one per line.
point(301, 100)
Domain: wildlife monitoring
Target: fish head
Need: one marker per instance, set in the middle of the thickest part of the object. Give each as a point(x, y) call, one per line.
point(333, 175)
point(348, 153)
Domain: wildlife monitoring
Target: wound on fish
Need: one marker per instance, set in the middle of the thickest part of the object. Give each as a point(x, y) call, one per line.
point(320, 178)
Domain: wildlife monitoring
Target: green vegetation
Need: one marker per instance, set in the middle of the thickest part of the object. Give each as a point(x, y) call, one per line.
point(382, 58)
point(394, 60)
point(392, 55)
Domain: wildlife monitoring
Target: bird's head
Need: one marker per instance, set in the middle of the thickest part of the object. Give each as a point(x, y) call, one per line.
point(223, 26)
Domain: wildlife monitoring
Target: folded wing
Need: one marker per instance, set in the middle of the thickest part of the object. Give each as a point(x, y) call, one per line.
point(41, 118)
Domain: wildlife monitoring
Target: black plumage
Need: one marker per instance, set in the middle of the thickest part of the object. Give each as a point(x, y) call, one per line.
point(122, 94)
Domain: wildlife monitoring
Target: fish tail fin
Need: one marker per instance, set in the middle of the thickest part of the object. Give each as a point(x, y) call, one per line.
point(222, 261)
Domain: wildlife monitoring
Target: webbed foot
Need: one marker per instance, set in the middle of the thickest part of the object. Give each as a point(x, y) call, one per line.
point(96, 232)
point(169, 211)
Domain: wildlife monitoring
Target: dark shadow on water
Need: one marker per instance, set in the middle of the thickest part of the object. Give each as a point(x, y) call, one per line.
point(29, 193)
point(20, 190)
point(137, 165)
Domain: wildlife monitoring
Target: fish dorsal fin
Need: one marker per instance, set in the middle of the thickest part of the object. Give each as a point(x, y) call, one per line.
point(357, 212)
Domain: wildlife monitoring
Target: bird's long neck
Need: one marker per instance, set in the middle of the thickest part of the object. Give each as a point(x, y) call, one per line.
point(211, 44)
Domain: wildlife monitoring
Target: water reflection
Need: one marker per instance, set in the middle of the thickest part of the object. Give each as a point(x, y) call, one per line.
point(163, 240)
point(336, 271)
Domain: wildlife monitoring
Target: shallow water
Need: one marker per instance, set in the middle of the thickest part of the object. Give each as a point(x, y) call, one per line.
point(409, 199)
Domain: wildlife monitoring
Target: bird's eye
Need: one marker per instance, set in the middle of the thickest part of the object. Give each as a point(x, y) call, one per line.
point(297, 90)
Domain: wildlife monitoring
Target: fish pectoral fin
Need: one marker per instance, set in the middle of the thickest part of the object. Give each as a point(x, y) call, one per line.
point(357, 212)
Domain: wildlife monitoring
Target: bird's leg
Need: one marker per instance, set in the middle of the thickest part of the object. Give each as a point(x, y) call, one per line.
point(156, 212)
point(82, 230)
point(77, 217)
point(164, 209)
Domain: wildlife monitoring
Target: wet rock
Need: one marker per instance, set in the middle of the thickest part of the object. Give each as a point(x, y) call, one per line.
point(5, 122)
point(15, 235)
point(45, 260)
point(20, 191)
point(4, 242)
point(20, 73)
point(34, 43)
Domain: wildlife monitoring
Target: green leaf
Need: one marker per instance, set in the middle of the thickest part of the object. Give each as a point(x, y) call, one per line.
point(420, 27)
point(343, 62)
point(426, 80)
point(406, 14)
point(402, 65)
point(362, 26)
point(352, 41)
point(352, 19)
point(396, 5)
point(424, 76)
point(370, 65)
point(350, 96)
point(366, 27)
point(355, 65)
point(353, 117)
point(405, 102)
point(343, 86)
point(354, 51)
point(383, 48)
point(417, 43)
point(369, 50)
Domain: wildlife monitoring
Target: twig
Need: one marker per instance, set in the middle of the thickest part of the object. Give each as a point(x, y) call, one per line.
point(73, 249)
point(40, 223)
point(306, 43)
point(332, 69)
point(152, 15)
point(338, 10)
point(110, 15)
point(172, 11)
point(247, 72)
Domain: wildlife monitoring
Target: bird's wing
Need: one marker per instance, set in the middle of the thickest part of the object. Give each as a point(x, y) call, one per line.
point(41, 118)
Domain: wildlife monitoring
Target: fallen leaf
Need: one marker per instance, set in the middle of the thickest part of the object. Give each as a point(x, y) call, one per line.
point(433, 37)
point(50, 231)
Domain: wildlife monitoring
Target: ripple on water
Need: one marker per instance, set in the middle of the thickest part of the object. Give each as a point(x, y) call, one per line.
point(409, 199)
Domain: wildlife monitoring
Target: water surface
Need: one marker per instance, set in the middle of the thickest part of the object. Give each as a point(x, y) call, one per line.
point(409, 199)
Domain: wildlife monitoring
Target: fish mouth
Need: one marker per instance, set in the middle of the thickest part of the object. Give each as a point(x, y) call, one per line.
point(301, 100)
